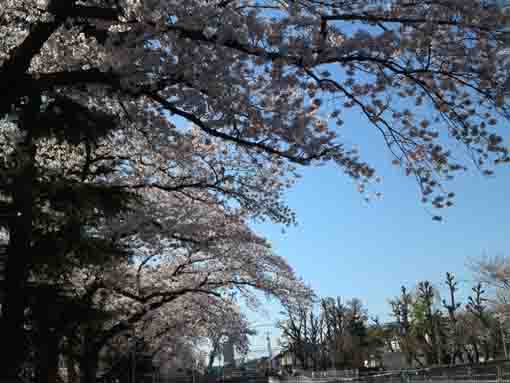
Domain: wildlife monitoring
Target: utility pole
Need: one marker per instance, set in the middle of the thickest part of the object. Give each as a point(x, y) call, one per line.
point(269, 352)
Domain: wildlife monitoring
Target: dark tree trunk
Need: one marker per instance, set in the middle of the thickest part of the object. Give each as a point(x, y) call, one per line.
point(89, 362)
point(212, 357)
point(487, 352)
point(72, 377)
point(13, 335)
point(13, 345)
point(469, 355)
point(47, 360)
point(89, 366)
point(477, 353)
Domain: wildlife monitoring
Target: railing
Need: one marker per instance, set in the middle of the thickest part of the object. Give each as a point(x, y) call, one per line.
point(209, 379)
point(491, 372)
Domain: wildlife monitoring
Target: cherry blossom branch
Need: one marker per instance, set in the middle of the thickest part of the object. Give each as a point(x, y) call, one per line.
point(92, 12)
point(13, 69)
point(135, 318)
point(46, 81)
point(215, 133)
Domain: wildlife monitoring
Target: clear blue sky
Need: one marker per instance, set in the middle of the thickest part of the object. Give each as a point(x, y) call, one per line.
point(346, 247)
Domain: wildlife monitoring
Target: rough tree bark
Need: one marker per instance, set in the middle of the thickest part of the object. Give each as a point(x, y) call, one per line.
point(12, 351)
point(89, 362)
point(48, 353)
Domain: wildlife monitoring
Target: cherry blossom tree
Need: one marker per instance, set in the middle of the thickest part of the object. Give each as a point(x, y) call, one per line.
point(493, 273)
point(229, 327)
point(179, 332)
point(171, 230)
point(182, 256)
point(220, 100)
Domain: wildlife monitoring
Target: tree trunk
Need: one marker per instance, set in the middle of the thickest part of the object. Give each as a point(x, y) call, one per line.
point(13, 336)
point(13, 345)
point(477, 353)
point(486, 349)
point(89, 363)
point(89, 366)
point(437, 343)
point(468, 354)
point(47, 361)
point(212, 357)
point(72, 377)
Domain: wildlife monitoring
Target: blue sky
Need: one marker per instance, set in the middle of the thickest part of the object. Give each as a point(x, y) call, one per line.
point(346, 247)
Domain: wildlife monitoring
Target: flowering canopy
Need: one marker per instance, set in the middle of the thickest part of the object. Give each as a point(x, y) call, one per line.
point(212, 104)
point(274, 78)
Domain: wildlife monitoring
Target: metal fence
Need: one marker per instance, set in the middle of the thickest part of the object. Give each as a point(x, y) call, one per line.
point(208, 379)
point(491, 372)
